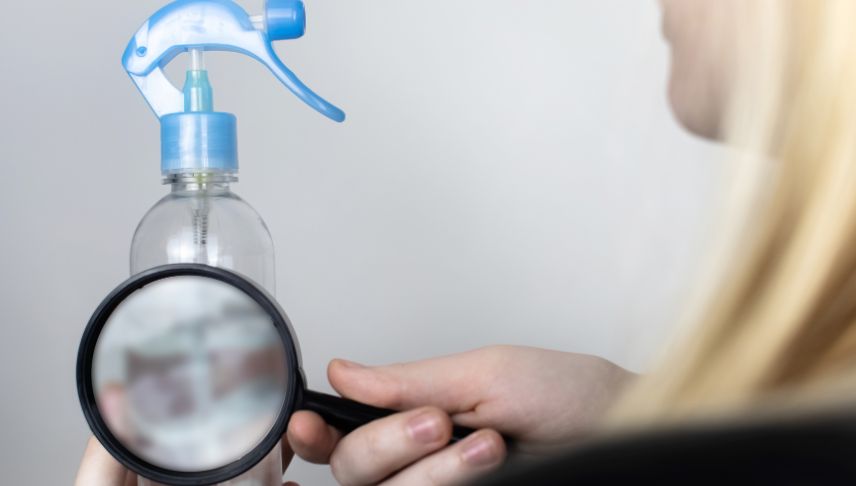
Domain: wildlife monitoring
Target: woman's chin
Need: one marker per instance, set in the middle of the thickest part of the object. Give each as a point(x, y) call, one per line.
point(694, 113)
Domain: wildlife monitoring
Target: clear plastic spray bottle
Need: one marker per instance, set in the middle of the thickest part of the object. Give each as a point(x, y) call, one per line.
point(201, 220)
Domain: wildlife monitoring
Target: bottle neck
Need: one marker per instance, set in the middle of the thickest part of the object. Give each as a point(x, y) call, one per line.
point(209, 182)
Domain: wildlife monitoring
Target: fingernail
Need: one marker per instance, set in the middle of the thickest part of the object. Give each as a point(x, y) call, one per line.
point(425, 428)
point(350, 364)
point(479, 451)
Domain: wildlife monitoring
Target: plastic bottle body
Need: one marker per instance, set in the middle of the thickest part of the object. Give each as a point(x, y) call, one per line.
point(202, 221)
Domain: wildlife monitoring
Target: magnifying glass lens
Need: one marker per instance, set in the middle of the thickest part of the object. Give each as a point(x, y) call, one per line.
point(190, 373)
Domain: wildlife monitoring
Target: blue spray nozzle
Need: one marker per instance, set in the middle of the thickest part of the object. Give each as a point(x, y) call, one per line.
point(215, 25)
point(193, 136)
point(285, 19)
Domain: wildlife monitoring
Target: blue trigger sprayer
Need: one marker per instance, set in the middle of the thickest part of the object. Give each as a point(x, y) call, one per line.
point(215, 25)
point(201, 220)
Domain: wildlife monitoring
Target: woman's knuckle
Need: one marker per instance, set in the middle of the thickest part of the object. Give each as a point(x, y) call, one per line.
point(373, 443)
point(336, 467)
point(438, 474)
point(342, 467)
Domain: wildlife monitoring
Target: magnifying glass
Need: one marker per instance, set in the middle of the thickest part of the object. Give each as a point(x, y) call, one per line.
point(188, 374)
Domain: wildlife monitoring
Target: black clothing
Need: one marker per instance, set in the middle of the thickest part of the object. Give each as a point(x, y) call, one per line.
point(807, 450)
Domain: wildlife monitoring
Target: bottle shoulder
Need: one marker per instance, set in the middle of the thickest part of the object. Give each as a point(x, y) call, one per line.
point(226, 211)
point(220, 230)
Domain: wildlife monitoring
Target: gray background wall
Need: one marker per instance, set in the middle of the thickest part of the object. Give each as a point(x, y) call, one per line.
point(509, 173)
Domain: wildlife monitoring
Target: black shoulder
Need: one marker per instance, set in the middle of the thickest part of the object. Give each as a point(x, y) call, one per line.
point(816, 449)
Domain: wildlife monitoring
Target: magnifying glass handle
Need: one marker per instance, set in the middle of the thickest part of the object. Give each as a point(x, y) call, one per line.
point(346, 415)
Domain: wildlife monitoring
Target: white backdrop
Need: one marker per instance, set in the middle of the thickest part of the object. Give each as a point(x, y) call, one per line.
point(509, 173)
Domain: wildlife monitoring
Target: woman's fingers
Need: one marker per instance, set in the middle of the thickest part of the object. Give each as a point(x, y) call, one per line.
point(477, 454)
point(286, 452)
point(98, 468)
point(380, 448)
point(311, 438)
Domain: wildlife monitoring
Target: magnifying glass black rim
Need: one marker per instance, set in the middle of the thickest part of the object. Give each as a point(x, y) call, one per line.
point(86, 392)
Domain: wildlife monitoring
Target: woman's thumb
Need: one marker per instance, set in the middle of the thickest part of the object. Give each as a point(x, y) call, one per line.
point(441, 382)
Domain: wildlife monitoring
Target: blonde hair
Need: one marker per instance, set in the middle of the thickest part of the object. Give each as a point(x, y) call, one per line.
point(781, 321)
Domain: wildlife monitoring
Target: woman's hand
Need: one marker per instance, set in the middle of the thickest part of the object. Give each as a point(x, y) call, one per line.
point(99, 468)
point(542, 399)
